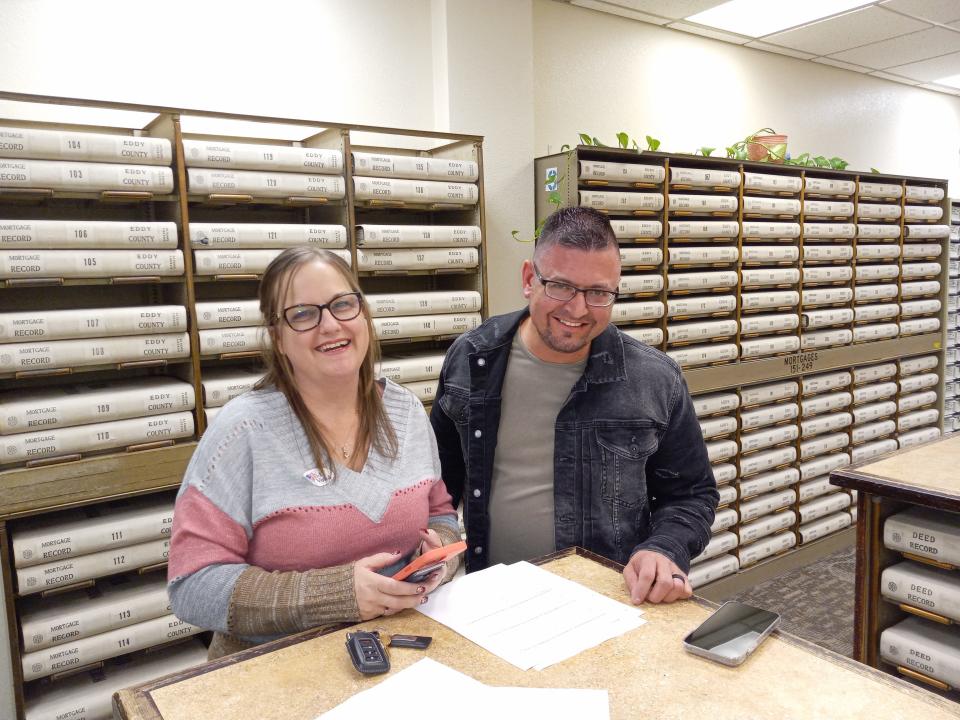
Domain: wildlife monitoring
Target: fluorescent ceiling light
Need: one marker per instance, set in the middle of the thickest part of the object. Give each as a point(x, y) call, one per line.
point(950, 81)
point(756, 18)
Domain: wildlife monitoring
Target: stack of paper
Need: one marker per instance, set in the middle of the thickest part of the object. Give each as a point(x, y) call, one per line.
point(528, 616)
point(473, 700)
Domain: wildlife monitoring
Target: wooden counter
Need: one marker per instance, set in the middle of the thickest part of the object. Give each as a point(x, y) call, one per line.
point(927, 475)
point(647, 672)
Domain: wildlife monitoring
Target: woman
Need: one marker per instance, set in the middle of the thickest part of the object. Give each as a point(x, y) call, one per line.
point(307, 493)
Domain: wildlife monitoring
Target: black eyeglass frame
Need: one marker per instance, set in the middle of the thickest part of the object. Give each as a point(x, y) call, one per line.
point(612, 294)
point(320, 308)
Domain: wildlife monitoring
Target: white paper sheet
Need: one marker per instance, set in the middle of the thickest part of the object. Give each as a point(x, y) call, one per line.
point(396, 697)
point(528, 616)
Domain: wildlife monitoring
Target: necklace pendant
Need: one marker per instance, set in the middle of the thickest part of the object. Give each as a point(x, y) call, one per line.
point(343, 449)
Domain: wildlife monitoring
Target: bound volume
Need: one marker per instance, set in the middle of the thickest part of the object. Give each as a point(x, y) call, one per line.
point(424, 303)
point(706, 572)
point(824, 526)
point(869, 393)
point(634, 311)
point(88, 567)
point(724, 473)
point(771, 230)
point(692, 331)
point(765, 504)
point(26, 410)
point(827, 186)
point(47, 540)
point(875, 372)
point(720, 543)
point(701, 255)
point(630, 284)
point(632, 257)
point(82, 698)
point(230, 340)
point(883, 331)
point(715, 403)
point(97, 351)
point(105, 645)
point(248, 156)
point(70, 145)
point(880, 190)
point(772, 392)
point(770, 206)
point(768, 482)
point(221, 385)
point(413, 368)
point(201, 181)
point(717, 426)
point(823, 465)
point(773, 183)
point(77, 615)
point(90, 263)
point(623, 201)
point(874, 449)
point(702, 354)
point(770, 277)
point(701, 280)
point(704, 178)
point(646, 335)
point(265, 235)
point(909, 366)
point(85, 177)
point(46, 234)
point(93, 322)
point(768, 525)
point(721, 449)
point(766, 547)
point(704, 203)
point(916, 437)
point(769, 346)
point(418, 235)
point(416, 259)
point(415, 166)
point(704, 229)
point(415, 191)
point(823, 445)
point(827, 253)
point(924, 587)
point(700, 305)
point(425, 325)
point(823, 506)
point(620, 172)
point(813, 208)
point(919, 192)
point(228, 313)
point(878, 232)
point(836, 230)
point(241, 262)
point(826, 403)
point(763, 300)
point(94, 437)
point(926, 647)
point(770, 253)
point(636, 229)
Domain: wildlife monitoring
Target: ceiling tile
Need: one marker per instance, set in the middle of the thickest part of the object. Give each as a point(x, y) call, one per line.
point(710, 32)
point(860, 27)
point(941, 11)
point(616, 9)
point(756, 44)
point(895, 78)
point(940, 88)
point(929, 70)
point(675, 9)
point(904, 49)
point(843, 65)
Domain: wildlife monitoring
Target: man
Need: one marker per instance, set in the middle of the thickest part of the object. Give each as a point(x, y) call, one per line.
point(557, 430)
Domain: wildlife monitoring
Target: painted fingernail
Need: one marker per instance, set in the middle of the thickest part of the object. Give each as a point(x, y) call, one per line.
point(424, 529)
point(420, 589)
point(423, 600)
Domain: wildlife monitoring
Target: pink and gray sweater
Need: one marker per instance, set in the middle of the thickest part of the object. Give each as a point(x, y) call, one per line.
point(263, 546)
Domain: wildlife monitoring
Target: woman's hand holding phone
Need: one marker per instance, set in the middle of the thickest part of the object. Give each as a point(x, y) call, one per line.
point(381, 595)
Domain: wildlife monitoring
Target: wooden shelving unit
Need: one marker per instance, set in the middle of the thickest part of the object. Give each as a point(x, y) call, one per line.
point(36, 489)
point(778, 274)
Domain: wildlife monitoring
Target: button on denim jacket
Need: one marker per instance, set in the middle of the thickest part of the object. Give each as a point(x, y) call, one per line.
point(630, 466)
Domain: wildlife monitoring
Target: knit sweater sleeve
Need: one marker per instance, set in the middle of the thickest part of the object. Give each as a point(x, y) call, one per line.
point(210, 583)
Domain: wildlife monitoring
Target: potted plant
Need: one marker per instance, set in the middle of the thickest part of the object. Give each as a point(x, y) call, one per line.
point(765, 145)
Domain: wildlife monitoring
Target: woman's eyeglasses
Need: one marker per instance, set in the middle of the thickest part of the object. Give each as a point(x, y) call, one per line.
point(304, 317)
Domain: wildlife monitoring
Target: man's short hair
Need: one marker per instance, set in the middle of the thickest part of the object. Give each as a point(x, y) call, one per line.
point(579, 228)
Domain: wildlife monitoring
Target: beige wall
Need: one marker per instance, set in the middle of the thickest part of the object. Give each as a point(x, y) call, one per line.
point(603, 74)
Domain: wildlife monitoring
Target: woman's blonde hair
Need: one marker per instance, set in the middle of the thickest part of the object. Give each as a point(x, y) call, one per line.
point(375, 430)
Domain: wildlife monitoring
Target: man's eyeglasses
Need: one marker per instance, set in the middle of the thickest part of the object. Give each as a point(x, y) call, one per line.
point(564, 292)
point(301, 318)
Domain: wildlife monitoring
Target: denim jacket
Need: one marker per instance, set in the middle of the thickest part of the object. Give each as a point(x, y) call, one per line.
point(630, 466)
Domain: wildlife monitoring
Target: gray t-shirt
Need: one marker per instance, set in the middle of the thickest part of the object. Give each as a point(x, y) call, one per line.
point(521, 498)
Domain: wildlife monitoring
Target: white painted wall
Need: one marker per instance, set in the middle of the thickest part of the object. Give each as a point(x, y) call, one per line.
point(604, 74)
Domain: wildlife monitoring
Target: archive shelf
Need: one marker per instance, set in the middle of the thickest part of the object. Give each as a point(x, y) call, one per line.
point(819, 287)
point(921, 477)
point(37, 488)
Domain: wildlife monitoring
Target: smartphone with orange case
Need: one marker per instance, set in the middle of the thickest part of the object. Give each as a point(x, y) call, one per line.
point(429, 561)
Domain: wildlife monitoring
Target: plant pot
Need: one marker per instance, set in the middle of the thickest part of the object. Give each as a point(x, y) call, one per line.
point(767, 148)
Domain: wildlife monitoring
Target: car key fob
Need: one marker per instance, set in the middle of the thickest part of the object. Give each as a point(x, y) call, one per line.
point(367, 653)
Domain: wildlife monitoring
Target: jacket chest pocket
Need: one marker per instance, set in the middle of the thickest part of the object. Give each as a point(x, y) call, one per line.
point(456, 407)
point(623, 453)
